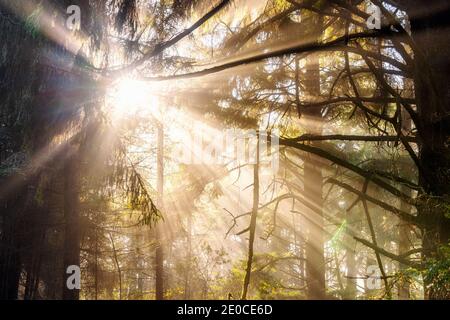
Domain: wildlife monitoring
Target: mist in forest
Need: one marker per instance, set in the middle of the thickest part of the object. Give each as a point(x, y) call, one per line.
point(224, 150)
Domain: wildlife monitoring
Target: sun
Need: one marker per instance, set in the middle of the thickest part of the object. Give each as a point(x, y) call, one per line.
point(129, 96)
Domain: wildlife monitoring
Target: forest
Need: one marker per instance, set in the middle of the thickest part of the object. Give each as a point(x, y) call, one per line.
point(224, 150)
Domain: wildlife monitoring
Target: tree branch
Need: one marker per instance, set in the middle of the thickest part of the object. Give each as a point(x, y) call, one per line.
point(159, 48)
point(368, 175)
point(311, 137)
point(386, 253)
point(302, 48)
point(401, 214)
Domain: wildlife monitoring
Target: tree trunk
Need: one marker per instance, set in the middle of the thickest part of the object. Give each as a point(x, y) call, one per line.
point(159, 253)
point(252, 227)
point(430, 28)
point(72, 223)
point(117, 263)
point(352, 271)
point(12, 234)
point(313, 183)
point(403, 246)
point(404, 229)
point(187, 282)
point(9, 258)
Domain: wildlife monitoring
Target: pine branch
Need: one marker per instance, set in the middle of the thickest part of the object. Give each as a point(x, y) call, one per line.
point(302, 48)
point(385, 253)
point(401, 214)
point(311, 137)
point(159, 48)
point(343, 163)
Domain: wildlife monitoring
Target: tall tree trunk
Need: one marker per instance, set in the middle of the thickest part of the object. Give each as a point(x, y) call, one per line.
point(96, 264)
point(430, 28)
point(404, 246)
point(159, 253)
point(117, 263)
point(187, 282)
point(38, 234)
point(12, 234)
point(315, 262)
point(10, 264)
point(72, 223)
point(352, 271)
point(404, 229)
point(313, 181)
point(252, 227)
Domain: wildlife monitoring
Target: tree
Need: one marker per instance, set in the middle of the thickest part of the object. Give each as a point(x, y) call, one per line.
point(362, 117)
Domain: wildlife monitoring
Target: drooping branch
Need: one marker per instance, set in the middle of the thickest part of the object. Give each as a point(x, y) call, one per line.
point(401, 214)
point(159, 48)
point(385, 253)
point(302, 48)
point(380, 78)
point(263, 25)
point(355, 99)
point(310, 6)
point(366, 174)
point(341, 137)
point(395, 178)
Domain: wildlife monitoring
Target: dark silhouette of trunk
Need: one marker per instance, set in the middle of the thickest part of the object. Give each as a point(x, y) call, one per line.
point(352, 271)
point(159, 267)
point(38, 235)
point(159, 253)
point(404, 245)
point(404, 229)
point(72, 222)
point(10, 263)
point(16, 191)
point(430, 28)
point(96, 263)
point(299, 243)
point(117, 263)
point(14, 213)
point(252, 226)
